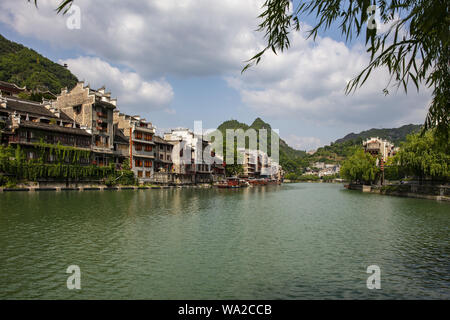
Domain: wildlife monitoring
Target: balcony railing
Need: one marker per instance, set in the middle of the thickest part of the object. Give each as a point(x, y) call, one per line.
point(54, 140)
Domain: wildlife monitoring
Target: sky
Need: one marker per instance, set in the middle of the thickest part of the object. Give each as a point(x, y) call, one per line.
point(174, 62)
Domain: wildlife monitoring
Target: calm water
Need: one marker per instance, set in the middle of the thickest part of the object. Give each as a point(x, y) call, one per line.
point(277, 242)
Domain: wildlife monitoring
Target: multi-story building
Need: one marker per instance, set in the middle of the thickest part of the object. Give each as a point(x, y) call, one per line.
point(377, 146)
point(121, 146)
point(33, 125)
point(250, 163)
point(140, 134)
point(163, 157)
point(188, 155)
point(93, 110)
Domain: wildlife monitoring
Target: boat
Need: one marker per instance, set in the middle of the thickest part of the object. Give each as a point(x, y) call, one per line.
point(230, 183)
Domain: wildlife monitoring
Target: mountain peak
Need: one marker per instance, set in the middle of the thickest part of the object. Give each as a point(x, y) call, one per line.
point(260, 124)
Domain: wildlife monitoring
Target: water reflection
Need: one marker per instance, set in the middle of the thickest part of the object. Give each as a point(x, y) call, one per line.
point(282, 242)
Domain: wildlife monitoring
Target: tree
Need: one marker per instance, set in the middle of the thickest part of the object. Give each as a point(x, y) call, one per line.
point(425, 156)
point(415, 48)
point(360, 167)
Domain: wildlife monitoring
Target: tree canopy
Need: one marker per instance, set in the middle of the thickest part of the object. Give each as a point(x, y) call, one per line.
point(360, 167)
point(425, 156)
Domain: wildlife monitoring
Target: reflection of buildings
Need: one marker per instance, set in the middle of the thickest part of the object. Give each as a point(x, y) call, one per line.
point(379, 147)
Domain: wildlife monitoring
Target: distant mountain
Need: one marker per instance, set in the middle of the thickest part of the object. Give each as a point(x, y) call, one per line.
point(395, 135)
point(290, 159)
point(26, 67)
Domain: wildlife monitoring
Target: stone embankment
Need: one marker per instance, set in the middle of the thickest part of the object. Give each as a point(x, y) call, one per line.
point(431, 192)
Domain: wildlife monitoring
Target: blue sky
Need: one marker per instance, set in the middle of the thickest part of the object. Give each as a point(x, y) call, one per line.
point(176, 62)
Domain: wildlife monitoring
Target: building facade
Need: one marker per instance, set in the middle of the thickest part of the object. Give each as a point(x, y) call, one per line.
point(188, 155)
point(163, 155)
point(34, 126)
point(93, 110)
point(140, 134)
point(379, 147)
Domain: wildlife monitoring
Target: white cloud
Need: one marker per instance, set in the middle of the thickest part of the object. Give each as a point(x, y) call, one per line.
point(193, 38)
point(156, 37)
point(303, 143)
point(134, 94)
point(308, 83)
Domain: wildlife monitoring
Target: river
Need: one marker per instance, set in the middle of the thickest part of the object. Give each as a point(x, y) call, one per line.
point(295, 241)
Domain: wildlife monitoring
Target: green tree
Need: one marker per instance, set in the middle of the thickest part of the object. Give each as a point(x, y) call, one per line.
point(425, 157)
point(360, 167)
point(415, 48)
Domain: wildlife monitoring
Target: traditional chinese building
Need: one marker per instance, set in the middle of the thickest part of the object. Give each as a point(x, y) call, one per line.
point(10, 89)
point(188, 155)
point(379, 147)
point(32, 125)
point(93, 110)
point(163, 155)
point(139, 133)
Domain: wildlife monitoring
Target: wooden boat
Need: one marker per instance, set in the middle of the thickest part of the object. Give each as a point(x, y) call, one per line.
point(230, 183)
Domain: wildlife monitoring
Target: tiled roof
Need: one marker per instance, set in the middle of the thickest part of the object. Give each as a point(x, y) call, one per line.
point(53, 127)
point(160, 140)
point(11, 86)
point(32, 108)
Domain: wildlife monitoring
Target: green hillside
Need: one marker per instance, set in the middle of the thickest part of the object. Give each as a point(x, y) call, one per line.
point(395, 135)
point(292, 160)
point(26, 67)
point(342, 148)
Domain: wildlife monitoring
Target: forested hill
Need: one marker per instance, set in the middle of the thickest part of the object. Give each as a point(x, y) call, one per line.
point(395, 135)
point(290, 158)
point(26, 67)
point(342, 148)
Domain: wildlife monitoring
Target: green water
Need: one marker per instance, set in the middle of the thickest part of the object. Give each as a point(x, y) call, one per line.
point(293, 241)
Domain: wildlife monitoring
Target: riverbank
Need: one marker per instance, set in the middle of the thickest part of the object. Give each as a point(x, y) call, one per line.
point(430, 192)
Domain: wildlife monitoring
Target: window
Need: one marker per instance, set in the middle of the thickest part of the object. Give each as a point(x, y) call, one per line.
point(77, 109)
point(168, 157)
point(138, 135)
point(148, 137)
point(147, 163)
point(140, 174)
point(148, 148)
point(147, 174)
point(161, 156)
point(137, 163)
point(138, 147)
